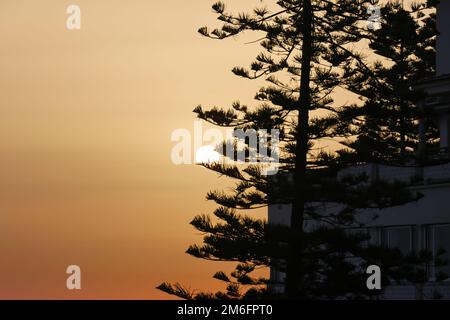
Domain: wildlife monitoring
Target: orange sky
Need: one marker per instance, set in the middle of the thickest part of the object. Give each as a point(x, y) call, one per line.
point(86, 118)
point(85, 123)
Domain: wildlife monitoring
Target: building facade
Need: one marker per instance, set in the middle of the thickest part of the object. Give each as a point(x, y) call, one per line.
point(424, 224)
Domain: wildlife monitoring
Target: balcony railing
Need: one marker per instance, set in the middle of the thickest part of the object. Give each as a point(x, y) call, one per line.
point(438, 154)
point(412, 175)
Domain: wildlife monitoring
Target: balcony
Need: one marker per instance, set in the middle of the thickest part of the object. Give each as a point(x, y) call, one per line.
point(438, 154)
point(411, 175)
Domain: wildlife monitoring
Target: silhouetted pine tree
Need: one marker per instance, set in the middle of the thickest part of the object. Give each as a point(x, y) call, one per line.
point(386, 123)
point(309, 52)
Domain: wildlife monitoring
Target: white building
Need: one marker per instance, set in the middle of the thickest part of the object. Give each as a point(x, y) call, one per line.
point(424, 224)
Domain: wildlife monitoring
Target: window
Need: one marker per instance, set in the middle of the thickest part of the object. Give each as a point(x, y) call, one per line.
point(359, 232)
point(399, 238)
point(439, 238)
point(375, 238)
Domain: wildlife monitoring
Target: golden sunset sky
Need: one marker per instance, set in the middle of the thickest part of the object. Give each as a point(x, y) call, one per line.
point(86, 116)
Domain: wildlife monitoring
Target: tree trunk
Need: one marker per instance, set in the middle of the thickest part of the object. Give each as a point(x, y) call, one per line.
point(294, 270)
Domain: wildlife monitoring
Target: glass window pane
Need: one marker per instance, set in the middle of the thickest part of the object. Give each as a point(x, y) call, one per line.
point(399, 238)
point(359, 232)
point(442, 241)
point(374, 237)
